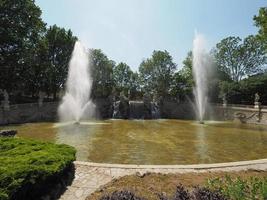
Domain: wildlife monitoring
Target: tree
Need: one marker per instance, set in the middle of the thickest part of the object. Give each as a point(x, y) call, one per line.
point(240, 59)
point(102, 72)
point(20, 28)
point(244, 91)
point(135, 89)
point(156, 73)
point(34, 76)
point(182, 83)
point(60, 43)
point(187, 69)
point(122, 75)
point(261, 22)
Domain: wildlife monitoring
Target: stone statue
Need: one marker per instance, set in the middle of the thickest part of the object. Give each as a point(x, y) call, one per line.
point(5, 102)
point(224, 100)
point(257, 97)
point(41, 98)
point(256, 101)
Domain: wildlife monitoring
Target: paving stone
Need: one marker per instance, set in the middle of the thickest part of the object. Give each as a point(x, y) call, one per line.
point(79, 192)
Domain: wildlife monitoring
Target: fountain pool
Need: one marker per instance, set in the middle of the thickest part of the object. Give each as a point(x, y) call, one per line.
point(154, 141)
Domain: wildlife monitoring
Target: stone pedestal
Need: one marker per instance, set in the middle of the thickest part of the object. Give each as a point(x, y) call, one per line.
point(5, 105)
point(257, 105)
point(41, 99)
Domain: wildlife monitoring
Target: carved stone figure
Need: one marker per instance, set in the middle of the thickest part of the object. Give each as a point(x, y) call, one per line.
point(147, 106)
point(41, 99)
point(5, 102)
point(256, 101)
point(257, 97)
point(224, 100)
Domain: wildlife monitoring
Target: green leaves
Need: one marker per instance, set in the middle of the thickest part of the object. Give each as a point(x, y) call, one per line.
point(156, 73)
point(261, 22)
point(25, 162)
point(236, 188)
point(102, 72)
point(239, 59)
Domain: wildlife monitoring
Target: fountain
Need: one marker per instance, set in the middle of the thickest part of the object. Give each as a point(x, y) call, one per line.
point(76, 104)
point(201, 65)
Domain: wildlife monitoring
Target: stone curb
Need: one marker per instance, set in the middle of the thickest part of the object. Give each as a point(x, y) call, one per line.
point(194, 166)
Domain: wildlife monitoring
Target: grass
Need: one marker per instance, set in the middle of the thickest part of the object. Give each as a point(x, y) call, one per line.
point(26, 163)
point(152, 186)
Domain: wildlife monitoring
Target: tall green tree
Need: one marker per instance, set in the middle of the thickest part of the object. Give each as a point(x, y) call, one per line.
point(182, 83)
point(122, 75)
point(125, 80)
point(240, 58)
point(59, 44)
point(20, 28)
point(102, 74)
point(156, 73)
point(35, 75)
point(261, 22)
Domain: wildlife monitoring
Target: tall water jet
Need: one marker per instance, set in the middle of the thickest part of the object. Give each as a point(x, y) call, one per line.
point(76, 104)
point(201, 69)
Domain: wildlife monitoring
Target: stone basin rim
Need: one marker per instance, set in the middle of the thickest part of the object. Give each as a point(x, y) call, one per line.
point(189, 166)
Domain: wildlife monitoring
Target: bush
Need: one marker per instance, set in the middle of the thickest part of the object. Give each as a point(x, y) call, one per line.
point(121, 195)
point(235, 189)
point(29, 169)
point(205, 193)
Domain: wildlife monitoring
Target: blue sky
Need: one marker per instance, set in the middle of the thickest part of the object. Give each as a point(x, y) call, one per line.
point(129, 30)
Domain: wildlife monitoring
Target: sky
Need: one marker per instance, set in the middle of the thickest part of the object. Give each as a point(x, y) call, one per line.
point(129, 30)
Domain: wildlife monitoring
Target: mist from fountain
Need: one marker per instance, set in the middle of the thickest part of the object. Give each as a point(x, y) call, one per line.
point(76, 104)
point(201, 70)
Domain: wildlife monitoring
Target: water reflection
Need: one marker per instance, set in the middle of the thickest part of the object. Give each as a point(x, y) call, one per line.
point(202, 146)
point(154, 141)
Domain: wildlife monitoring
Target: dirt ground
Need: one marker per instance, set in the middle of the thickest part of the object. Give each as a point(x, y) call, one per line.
point(150, 185)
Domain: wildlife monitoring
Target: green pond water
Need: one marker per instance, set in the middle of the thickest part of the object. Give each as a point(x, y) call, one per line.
point(154, 141)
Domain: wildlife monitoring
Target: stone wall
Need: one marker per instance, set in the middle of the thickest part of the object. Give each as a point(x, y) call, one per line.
point(31, 112)
point(238, 113)
point(243, 114)
point(23, 113)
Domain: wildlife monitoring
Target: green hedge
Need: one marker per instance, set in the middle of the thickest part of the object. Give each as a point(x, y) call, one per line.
point(28, 167)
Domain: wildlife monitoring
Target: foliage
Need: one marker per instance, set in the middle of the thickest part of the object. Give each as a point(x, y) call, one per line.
point(121, 195)
point(181, 87)
point(156, 73)
point(237, 188)
point(125, 80)
point(261, 22)
point(187, 70)
point(60, 43)
point(21, 27)
point(244, 91)
point(102, 71)
point(239, 59)
point(24, 163)
point(181, 193)
point(35, 58)
point(202, 193)
point(122, 75)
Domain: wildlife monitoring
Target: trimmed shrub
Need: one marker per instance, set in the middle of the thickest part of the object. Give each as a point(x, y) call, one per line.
point(31, 169)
